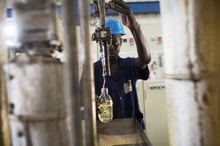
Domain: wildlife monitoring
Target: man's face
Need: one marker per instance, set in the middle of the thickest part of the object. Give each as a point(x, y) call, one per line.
point(114, 47)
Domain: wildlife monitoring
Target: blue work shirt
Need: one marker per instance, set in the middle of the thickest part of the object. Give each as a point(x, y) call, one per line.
point(122, 88)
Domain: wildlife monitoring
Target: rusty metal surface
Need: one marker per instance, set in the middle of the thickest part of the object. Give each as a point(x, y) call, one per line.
point(191, 49)
point(180, 55)
point(4, 128)
point(36, 104)
point(37, 88)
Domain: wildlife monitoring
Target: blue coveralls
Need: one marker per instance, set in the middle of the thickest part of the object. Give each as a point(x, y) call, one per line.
point(122, 88)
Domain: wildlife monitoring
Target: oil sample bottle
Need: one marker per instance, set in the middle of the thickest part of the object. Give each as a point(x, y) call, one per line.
point(105, 106)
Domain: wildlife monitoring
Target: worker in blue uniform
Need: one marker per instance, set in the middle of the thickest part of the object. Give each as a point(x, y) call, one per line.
point(124, 71)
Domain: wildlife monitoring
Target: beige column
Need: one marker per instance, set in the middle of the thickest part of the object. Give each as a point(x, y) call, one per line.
point(4, 130)
point(192, 72)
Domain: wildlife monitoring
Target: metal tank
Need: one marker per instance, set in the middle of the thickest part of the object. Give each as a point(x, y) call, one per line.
point(36, 103)
point(37, 111)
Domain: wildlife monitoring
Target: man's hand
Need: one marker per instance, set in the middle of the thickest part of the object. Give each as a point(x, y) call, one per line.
point(125, 12)
point(120, 6)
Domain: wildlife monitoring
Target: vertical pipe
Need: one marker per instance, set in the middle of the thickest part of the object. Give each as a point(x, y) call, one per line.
point(191, 49)
point(207, 31)
point(87, 77)
point(3, 51)
point(101, 5)
point(71, 73)
point(4, 129)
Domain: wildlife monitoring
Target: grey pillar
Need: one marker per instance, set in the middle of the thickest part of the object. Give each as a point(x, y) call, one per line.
point(71, 73)
point(88, 93)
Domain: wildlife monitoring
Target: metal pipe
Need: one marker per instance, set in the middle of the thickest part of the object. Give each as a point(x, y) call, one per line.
point(71, 73)
point(103, 43)
point(101, 5)
point(87, 77)
point(3, 51)
point(4, 127)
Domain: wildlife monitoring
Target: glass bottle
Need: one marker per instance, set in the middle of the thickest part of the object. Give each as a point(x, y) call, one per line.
point(105, 106)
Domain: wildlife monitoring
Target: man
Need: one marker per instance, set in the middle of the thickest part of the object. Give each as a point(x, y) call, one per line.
point(124, 71)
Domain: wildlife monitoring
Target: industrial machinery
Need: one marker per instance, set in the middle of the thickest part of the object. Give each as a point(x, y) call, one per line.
point(37, 114)
point(35, 79)
point(116, 131)
point(102, 36)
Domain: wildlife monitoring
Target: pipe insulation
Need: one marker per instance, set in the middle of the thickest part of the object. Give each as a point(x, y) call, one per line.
point(190, 30)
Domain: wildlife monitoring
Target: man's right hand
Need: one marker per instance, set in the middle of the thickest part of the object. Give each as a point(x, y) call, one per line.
point(125, 12)
point(120, 6)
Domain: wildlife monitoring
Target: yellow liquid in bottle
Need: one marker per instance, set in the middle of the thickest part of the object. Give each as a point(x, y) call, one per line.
point(106, 112)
